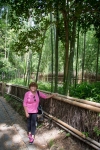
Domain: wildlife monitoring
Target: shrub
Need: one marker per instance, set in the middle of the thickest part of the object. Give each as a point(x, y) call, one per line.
point(89, 91)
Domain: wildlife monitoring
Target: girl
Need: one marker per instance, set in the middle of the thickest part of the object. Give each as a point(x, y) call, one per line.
point(30, 104)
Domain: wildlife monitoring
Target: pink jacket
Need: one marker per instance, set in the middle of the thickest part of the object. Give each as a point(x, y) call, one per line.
point(31, 102)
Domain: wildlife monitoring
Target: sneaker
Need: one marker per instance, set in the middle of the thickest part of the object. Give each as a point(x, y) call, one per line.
point(30, 139)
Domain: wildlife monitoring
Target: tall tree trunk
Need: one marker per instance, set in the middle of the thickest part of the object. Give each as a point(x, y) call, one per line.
point(83, 56)
point(97, 61)
point(40, 55)
point(56, 52)
point(77, 58)
point(51, 54)
point(66, 25)
point(26, 70)
point(72, 50)
point(29, 64)
point(66, 49)
point(6, 20)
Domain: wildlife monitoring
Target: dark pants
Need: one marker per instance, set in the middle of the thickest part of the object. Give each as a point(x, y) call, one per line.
point(31, 123)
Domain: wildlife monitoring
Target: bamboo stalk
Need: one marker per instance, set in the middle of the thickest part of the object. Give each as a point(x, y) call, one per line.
point(86, 106)
point(75, 132)
point(77, 136)
point(81, 100)
point(66, 125)
point(84, 101)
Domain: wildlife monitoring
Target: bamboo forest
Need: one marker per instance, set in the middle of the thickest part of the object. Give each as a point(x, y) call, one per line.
point(53, 42)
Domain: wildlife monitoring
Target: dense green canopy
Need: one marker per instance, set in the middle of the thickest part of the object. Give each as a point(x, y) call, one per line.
point(56, 26)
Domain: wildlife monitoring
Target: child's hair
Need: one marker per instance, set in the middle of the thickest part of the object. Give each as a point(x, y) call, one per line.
point(33, 84)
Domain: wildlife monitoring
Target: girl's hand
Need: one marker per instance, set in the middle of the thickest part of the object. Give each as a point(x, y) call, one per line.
point(27, 115)
point(54, 94)
point(50, 96)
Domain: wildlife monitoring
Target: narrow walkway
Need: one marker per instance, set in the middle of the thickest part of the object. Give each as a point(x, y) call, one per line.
point(13, 134)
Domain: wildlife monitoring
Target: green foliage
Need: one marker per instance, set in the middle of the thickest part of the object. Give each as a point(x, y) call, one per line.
point(97, 131)
point(44, 86)
point(89, 91)
point(80, 91)
point(40, 126)
point(51, 143)
point(31, 38)
point(60, 89)
point(7, 97)
point(23, 28)
point(18, 81)
point(86, 134)
point(68, 134)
